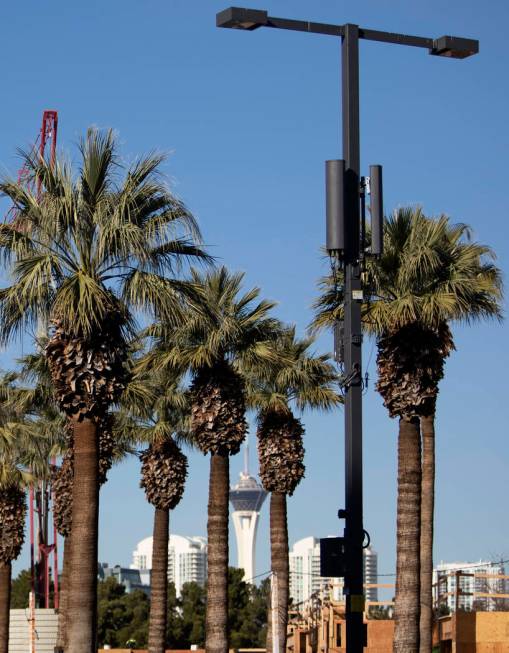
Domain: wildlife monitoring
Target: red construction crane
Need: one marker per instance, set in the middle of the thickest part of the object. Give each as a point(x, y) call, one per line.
point(40, 493)
point(47, 137)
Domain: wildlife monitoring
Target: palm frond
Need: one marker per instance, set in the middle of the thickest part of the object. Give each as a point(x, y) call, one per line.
point(431, 272)
point(93, 241)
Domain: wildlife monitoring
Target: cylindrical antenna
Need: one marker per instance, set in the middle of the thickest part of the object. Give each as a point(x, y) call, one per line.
point(335, 205)
point(377, 211)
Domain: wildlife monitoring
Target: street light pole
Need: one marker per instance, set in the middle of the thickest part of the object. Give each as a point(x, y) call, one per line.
point(345, 233)
point(354, 529)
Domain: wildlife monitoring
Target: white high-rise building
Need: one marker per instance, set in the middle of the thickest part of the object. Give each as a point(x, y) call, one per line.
point(305, 577)
point(187, 560)
point(455, 585)
point(371, 573)
point(247, 498)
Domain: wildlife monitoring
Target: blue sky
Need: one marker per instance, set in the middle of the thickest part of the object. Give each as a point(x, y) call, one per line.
point(248, 120)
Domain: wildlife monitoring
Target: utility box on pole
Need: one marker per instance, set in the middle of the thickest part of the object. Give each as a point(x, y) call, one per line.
point(332, 557)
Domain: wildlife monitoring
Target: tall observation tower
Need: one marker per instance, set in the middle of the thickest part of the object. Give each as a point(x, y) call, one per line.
point(247, 498)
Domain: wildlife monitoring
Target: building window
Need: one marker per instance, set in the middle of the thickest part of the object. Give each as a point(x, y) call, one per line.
point(338, 635)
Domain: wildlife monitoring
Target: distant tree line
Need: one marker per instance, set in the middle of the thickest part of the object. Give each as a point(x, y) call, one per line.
point(124, 617)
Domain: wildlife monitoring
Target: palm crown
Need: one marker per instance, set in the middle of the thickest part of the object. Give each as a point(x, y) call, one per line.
point(164, 466)
point(227, 328)
point(91, 245)
point(299, 377)
point(229, 331)
point(28, 434)
point(15, 446)
point(430, 273)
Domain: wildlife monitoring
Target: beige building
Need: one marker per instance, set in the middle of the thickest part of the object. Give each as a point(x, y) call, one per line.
point(321, 628)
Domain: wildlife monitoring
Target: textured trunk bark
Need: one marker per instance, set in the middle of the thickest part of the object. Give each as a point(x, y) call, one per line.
point(217, 573)
point(82, 600)
point(64, 596)
point(5, 604)
point(427, 525)
point(407, 602)
point(279, 565)
point(159, 583)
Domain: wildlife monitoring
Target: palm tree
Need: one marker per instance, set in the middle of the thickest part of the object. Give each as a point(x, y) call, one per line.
point(14, 435)
point(61, 487)
point(430, 275)
point(228, 332)
point(24, 461)
point(114, 446)
point(38, 401)
point(163, 476)
point(84, 254)
point(12, 535)
point(300, 379)
point(54, 437)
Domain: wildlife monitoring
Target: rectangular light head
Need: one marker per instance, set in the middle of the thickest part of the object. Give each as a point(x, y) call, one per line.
point(237, 18)
point(454, 47)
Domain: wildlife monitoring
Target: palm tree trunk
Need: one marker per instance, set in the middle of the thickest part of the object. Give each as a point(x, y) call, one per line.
point(280, 566)
point(64, 596)
point(427, 519)
point(159, 582)
point(5, 604)
point(82, 605)
point(217, 572)
point(407, 602)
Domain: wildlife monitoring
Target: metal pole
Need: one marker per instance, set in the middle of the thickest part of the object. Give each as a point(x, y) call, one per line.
point(45, 542)
point(32, 540)
point(39, 576)
point(31, 622)
point(56, 592)
point(56, 589)
point(354, 533)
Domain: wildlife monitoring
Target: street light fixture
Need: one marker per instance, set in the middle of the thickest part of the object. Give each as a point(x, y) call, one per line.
point(454, 47)
point(236, 18)
point(345, 193)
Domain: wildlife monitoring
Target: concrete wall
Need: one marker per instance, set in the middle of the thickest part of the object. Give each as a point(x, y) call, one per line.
point(46, 624)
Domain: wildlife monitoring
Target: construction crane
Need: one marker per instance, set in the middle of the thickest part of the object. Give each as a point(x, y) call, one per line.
point(46, 139)
point(42, 528)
